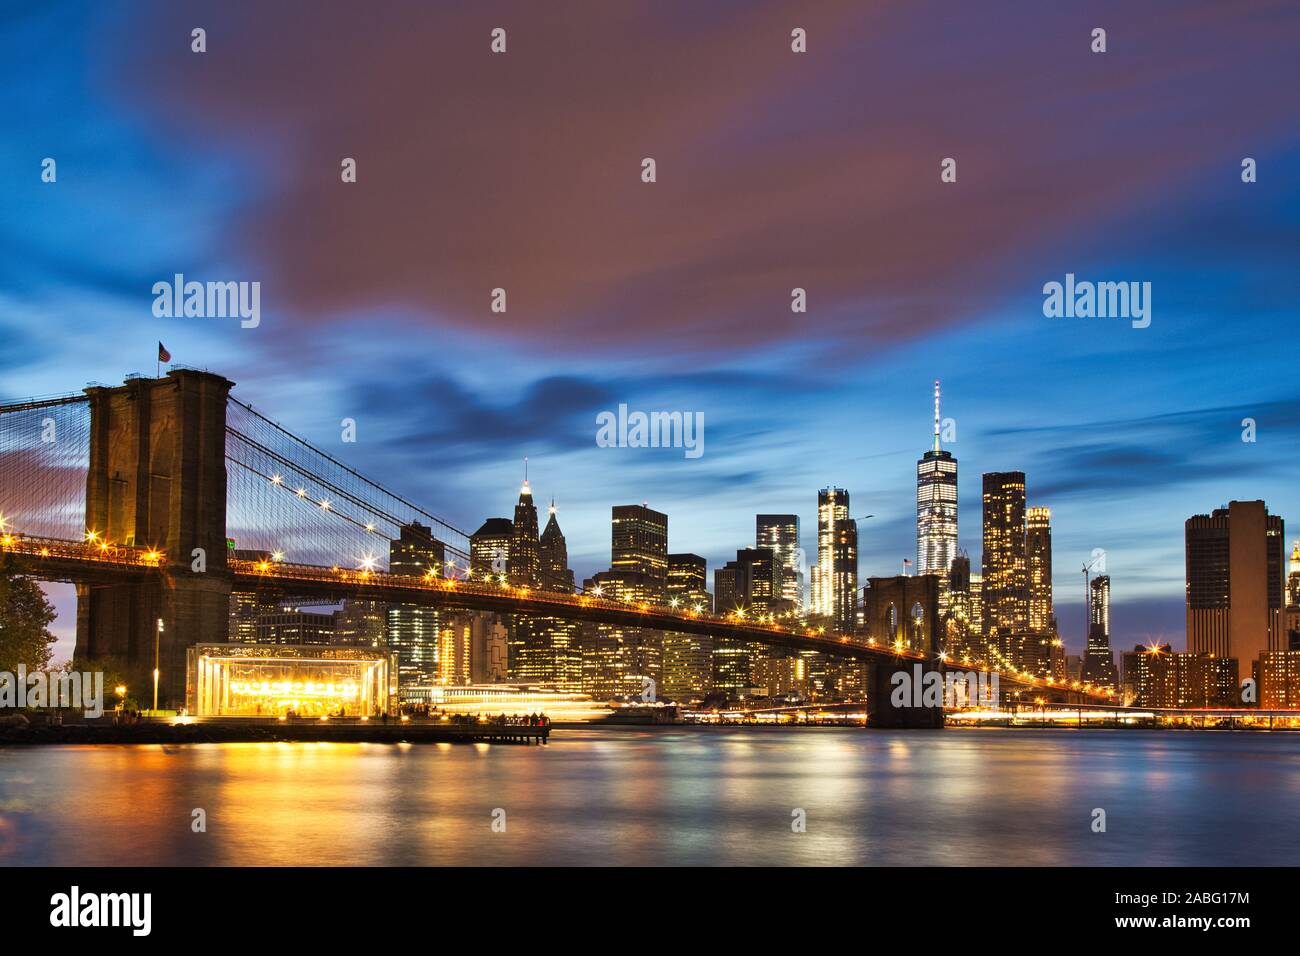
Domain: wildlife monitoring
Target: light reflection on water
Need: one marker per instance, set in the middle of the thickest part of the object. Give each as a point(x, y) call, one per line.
point(667, 796)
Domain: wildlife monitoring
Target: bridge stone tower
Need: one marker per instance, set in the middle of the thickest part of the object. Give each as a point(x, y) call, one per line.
point(157, 479)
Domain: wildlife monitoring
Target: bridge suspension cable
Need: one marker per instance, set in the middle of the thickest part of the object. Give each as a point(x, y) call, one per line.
point(288, 497)
point(44, 459)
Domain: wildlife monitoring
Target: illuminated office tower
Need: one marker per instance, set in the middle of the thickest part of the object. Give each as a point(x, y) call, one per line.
point(245, 609)
point(361, 624)
point(489, 560)
point(1291, 624)
point(781, 534)
point(555, 572)
point(936, 505)
point(1098, 658)
point(961, 619)
point(489, 550)
point(750, 584)
point(413, 628)
point(688, 658)
point(832, 507)
point(1036, 646)
point(844, 580)
point(525, 548)
point(639, 544)
point(291, 624)
point(688, 579)
point(747, 587)
point(618, 660)
point(455, 648)
point(1293, 576)
point(546, 650)
point(1235, 561)
point(1006, 582)
point(1038, 553)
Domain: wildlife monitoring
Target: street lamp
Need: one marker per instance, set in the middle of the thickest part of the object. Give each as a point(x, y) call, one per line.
point(157, 635)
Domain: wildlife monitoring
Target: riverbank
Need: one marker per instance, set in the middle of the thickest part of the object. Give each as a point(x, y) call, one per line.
point(238, 730)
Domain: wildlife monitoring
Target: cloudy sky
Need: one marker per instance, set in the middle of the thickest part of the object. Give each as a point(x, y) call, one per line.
point(775, 170)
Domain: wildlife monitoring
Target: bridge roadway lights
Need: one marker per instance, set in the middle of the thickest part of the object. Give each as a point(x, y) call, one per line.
point(157, 479)
point(899, 704)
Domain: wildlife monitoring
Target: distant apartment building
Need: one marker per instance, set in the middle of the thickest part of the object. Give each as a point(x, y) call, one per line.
point(1279, 680)
point(1155, 676)
point(1235, 587)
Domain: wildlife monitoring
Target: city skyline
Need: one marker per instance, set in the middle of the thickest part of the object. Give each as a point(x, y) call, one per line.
point(1122, 432)
point(1075, 644)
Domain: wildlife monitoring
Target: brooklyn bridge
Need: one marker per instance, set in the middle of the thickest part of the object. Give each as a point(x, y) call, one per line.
point(159, 497)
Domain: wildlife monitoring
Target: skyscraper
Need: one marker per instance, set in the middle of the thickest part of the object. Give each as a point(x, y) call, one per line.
point(361, 624)
point(412, 628)
point(936, 505)
point(1038, 554)
point(1005, 574)
point(1235, 562)
point(556, 574)
point(749, 585)
point(962, 615)
point(489, 549)
point(835, 578)
point(640, 543)
point(489, 559)
point(781, 534)
point(1292, 614)
point(619, 660)
point(1036, 645)
point(844, 576)
point(688, 658)
point(525, 548)
point(546, 650)
point(1098, 658)
point(1293, 576)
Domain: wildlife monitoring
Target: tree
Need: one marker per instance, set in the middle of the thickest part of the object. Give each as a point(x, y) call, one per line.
point(25, 618)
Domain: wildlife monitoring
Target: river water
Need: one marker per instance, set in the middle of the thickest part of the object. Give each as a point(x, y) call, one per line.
point(667, 795)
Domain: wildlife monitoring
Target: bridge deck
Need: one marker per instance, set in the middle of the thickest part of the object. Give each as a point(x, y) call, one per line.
point(66, 560)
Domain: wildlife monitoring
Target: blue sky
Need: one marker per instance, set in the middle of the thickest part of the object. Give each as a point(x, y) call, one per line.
point(775, 170)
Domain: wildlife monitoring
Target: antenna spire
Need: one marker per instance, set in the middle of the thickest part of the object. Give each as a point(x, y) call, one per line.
point(936, 414)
